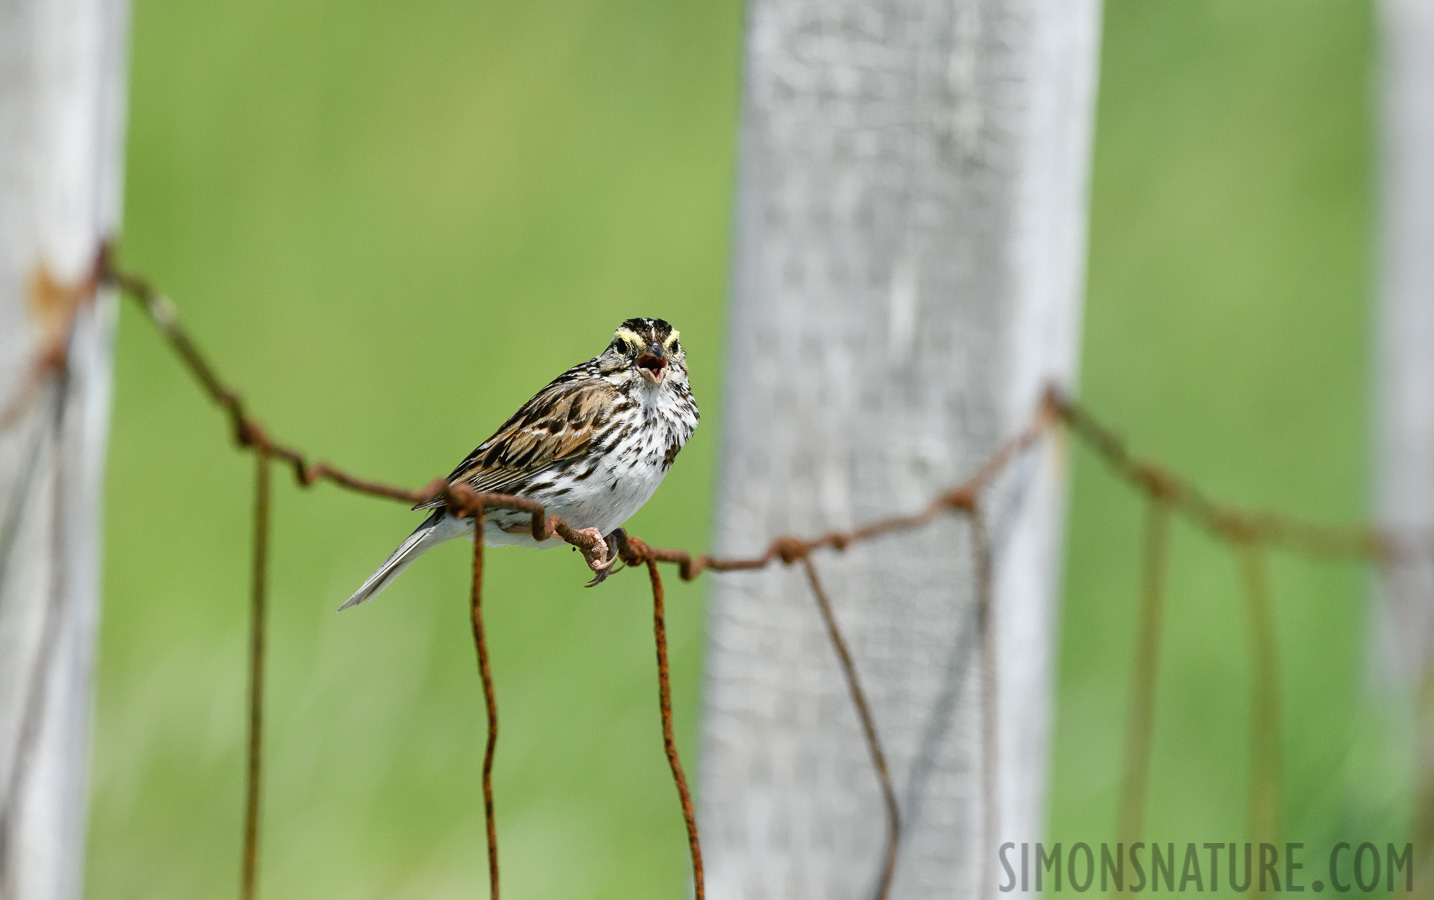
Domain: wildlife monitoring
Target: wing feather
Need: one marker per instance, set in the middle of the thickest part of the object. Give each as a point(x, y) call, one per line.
point(555, 427)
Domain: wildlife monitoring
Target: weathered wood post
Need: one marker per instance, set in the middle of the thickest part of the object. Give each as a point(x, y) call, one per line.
point(1404, 350)
point(62, 88)
point(1404, 379)
point(910, 248)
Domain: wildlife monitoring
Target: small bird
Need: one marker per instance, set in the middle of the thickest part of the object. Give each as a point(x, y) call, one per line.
point(591, 447)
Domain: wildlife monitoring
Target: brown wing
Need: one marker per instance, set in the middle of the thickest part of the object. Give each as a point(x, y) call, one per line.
point(557, 425)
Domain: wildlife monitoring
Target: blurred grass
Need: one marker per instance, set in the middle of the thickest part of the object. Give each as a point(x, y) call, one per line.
point(1227, 334)
point(391, 225)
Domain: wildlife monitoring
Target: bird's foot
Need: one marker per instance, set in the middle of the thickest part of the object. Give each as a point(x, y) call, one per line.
point(599, 557)
point(617, 546)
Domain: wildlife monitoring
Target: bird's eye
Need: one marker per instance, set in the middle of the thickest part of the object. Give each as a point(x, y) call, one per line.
point(619, 345)
point(676, 346)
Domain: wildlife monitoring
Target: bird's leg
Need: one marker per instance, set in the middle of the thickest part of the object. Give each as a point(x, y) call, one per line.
point(617, 547)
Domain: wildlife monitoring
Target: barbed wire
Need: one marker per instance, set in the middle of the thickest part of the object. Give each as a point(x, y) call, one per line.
point(1249, 533)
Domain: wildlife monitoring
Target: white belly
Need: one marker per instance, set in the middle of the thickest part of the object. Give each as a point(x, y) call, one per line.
point(617, 488)
point(611, 501)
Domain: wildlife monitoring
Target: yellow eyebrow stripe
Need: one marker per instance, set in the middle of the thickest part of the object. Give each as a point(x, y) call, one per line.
point(671, 338)
point(628, 336)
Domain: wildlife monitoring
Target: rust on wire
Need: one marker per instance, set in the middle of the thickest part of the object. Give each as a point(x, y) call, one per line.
point(638, 550)
point(490, 697)
point(868, 727)
point(254, 773)
point(1155, 561)
point(55, 306)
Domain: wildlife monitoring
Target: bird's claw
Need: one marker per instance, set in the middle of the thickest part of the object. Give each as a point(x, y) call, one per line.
point(599, 557)
point(603, 573)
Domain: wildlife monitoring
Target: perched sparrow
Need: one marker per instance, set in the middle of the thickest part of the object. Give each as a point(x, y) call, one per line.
point(591, 447)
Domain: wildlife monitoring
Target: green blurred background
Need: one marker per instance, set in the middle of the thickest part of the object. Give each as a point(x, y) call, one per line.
point(391, 223)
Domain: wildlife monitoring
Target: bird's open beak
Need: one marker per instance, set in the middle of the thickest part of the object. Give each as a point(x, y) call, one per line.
point(652, 363)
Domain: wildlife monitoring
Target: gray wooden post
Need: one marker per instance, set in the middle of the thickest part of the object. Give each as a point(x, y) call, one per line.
point(1404, 352)
point(910, 247)
point(62, 66)
point(1404, 382)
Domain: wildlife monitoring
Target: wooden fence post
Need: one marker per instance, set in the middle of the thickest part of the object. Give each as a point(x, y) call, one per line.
point(1404, 379)
point(1404, 348)
point(62, 89)
point(910, 250)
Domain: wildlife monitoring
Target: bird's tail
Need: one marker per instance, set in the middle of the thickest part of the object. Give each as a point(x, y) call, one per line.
point(424, 537)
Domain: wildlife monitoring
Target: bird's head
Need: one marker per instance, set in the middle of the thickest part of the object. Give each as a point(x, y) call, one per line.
point(647, 349)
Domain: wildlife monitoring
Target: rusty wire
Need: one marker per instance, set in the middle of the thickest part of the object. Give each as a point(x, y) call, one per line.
point(490, 698)
point(1265, 696)
point(960, 499)
point(1249, 532)
point(1231, 524)
point(258, 596)
point(664, 705)
point(868, 728)
point(1155, 560)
